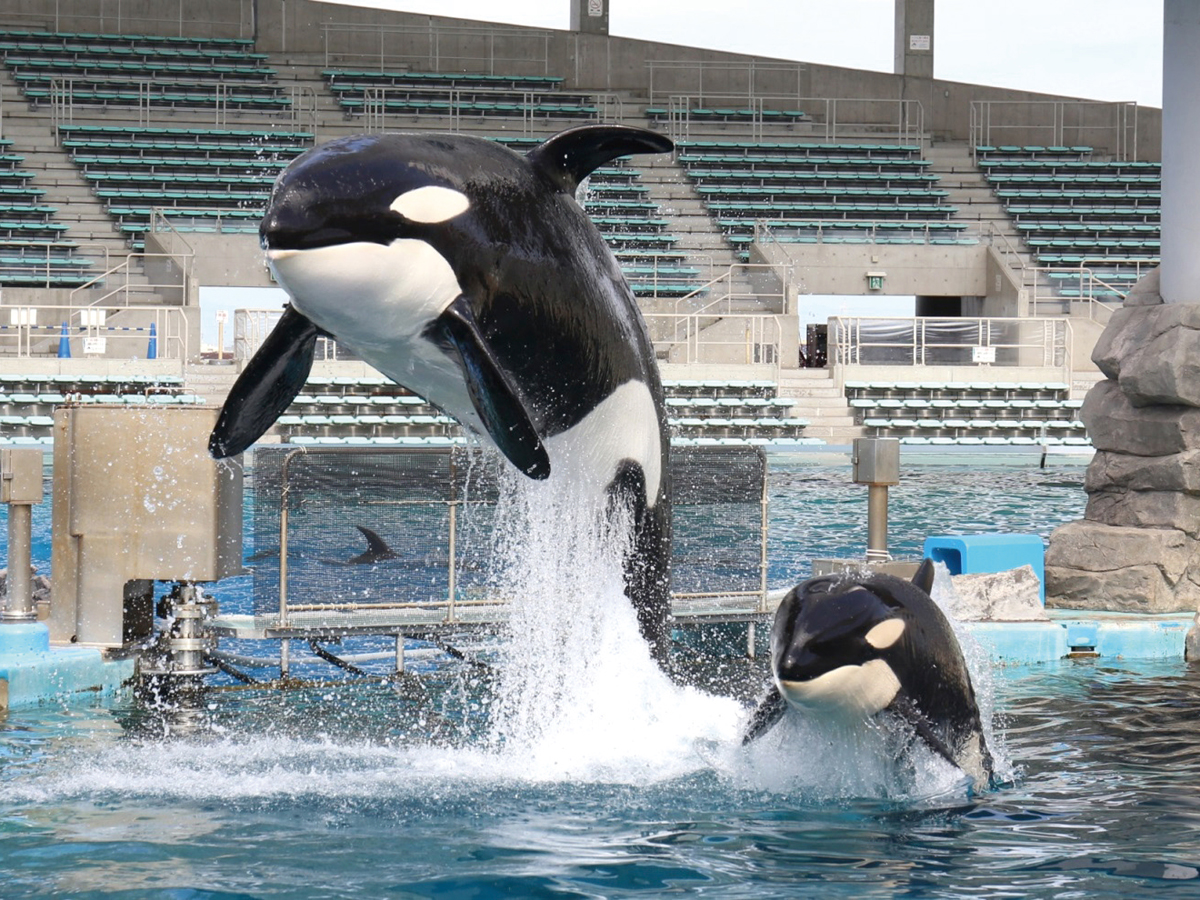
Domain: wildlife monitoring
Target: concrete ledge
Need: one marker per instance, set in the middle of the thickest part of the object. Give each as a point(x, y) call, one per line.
point(1102, 635)
point(31, 673)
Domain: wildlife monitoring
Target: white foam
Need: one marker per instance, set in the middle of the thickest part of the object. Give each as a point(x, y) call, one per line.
point(580, 696)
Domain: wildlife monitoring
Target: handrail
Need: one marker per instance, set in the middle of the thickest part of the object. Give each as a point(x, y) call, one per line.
point(1023, 116)
point(840, 118)
point(110, 19)
point(967, 342)
point(750, 69)
point(726, 277)
point(433, 59)
point(91, 324)
point(81, 252)
point(301, 102)
point(1089, 284)
point(122, 273)
point(757, 338)
point(377, 103)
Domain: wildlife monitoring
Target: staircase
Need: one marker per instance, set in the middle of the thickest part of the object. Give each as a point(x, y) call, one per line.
point(210, 381)
point(822, 402)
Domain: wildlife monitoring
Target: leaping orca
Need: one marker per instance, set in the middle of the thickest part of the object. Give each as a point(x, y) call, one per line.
point(857, 647)
point(470, 275)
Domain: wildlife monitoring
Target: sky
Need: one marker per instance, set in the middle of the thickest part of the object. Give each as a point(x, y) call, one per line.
point(1095, 49)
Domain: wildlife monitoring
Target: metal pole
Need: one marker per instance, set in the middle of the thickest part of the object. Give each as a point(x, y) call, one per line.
point(18, 605)
point(877, 523)
point(1180, 137)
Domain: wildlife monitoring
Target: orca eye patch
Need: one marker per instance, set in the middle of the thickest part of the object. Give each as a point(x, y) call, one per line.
point(431, 204)
point(885, 633)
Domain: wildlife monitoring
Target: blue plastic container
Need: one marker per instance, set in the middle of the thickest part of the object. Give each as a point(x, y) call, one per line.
point(966, 554)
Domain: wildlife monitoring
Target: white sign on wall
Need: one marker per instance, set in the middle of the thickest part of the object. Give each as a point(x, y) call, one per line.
point(94, 346)
point(596, 8)
point(983, 354)
point(919, 42)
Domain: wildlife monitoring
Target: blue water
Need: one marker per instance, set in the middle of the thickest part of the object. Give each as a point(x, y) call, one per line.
point(362, 788)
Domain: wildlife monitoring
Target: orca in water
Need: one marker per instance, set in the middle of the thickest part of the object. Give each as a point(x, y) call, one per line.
point(469, 274)
point(377, 549)
point(854, 647)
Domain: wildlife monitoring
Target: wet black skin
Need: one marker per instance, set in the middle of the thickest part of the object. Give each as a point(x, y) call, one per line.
point(546, 327)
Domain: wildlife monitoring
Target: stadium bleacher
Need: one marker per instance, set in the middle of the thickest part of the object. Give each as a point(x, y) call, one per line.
point(133, 70)
point(1073, 210)
point(810, 192)
point(214, 179)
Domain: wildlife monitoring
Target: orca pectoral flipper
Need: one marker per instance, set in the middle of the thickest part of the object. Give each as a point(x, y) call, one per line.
point(267, 386)
point(492, 393)
point(903, 707)
point(770, 710)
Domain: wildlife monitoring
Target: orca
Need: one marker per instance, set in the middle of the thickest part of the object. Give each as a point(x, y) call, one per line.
point(377, 549)
point(851, 647)
point(469, 274)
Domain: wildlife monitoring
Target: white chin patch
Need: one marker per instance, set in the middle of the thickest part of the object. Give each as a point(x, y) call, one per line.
point(431, 204)
point(852, 691)
point(368, 294)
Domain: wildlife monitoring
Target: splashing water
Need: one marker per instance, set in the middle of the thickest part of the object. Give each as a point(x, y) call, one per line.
point(580, 696)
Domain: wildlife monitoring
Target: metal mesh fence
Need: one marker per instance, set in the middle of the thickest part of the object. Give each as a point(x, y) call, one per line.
point(433, 512)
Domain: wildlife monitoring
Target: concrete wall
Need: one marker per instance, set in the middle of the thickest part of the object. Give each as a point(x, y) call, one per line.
point(593, 62)
point(933, 271)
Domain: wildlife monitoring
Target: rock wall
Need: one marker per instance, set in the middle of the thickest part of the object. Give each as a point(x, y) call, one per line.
point(1137, 548)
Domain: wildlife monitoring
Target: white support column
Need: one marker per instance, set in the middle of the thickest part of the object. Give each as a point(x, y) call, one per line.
point(1181, 152)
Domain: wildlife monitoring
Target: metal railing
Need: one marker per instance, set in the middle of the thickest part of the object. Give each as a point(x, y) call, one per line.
point(445, 49)
point(834, 231)
point(671, 77)
point(715, 337)
point(438, 506)
point(115, 332)
point(110, 18)
point(1058, 288)
point(755, 283)
point(1039, 342)
point(129, 284)
point(51, 269)
point(1056, 123)
point(825, 118)
point(383, 107)
point(145, 98)
point(251, 327)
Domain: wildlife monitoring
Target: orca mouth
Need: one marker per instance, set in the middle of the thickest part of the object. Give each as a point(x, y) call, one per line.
point(273, 240)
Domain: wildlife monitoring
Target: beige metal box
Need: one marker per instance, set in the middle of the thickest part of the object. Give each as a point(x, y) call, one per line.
point(137, 498)
point(20, 476)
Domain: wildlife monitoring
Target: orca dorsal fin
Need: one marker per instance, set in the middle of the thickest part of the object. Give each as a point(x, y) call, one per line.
point(375, 544)
point(924, 576)
point(572, 155)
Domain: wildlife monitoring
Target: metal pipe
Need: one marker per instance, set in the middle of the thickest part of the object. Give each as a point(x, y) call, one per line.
point(877, 523)
point(18, 603)
point(1180, 133)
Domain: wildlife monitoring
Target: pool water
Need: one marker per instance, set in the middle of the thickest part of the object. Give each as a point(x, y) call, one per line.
point(326, 794)
point(636, 786)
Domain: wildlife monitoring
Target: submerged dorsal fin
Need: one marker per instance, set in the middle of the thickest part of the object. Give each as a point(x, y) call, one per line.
point(375, 544)
point(572, 155)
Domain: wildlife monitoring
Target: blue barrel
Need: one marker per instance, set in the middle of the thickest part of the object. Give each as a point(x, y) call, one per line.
point(966, 554)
